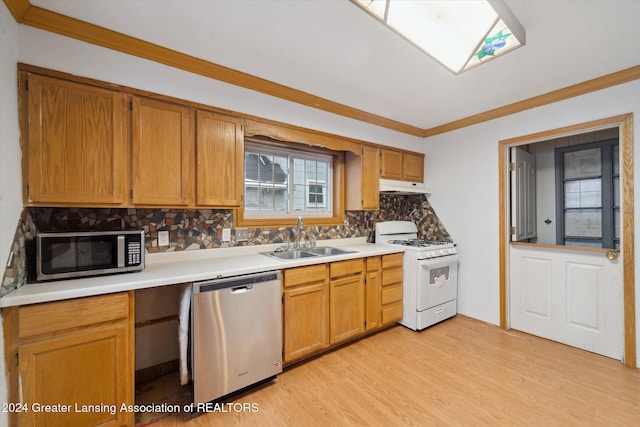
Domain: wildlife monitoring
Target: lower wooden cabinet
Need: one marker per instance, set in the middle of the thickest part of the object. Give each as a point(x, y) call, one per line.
point(328, 304)
point(346, 300)
point(305, 311)
point(373, 292)
point(72, 362)
point(391, 296)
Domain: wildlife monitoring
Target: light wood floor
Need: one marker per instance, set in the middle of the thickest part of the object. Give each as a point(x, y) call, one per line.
point(458, 373)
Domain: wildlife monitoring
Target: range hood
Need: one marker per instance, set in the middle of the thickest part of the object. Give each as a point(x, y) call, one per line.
point(388, 186)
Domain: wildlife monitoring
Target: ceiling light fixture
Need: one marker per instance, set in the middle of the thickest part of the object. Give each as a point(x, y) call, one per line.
point(459, 34)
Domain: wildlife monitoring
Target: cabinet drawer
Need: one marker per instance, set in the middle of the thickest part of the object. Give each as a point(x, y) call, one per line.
point(391, 276)
point(60, 315)
point(299, 275)
point(344, 268)
point(391, 294)
point(392, 260)
point(373, 263)
point(392, 313)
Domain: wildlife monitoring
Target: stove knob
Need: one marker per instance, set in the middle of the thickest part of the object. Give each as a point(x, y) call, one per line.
point(443, 251)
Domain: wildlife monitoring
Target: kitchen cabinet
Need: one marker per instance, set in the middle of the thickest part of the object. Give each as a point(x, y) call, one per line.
point(71, 354)
point(346, 300)
point(391, 164)
point(74, 143)
point(373, 292)
point(220, 160)
point(88, 143)
point(162, 153)
point(327, 304)
point(305, 311)
point(391, 295)
point(363, 179)
point(402, 166)
point(413, 167)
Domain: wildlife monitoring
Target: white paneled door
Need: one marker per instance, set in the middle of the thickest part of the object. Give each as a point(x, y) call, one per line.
point(567, 295)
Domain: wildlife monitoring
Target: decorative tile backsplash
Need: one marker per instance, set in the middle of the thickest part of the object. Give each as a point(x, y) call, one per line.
point(192, 229)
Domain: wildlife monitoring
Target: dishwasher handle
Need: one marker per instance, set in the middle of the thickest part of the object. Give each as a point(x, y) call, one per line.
point(241, 289)
point(237, 283)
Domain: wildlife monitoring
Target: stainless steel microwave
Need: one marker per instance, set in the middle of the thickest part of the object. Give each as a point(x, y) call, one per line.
point(78, 254)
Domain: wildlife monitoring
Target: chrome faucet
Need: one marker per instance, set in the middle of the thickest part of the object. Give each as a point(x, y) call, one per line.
point(298, 230)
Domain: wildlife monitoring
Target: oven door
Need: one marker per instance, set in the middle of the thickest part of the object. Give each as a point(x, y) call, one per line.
point(437, 281)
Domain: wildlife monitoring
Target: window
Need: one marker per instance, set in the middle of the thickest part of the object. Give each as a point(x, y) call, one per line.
point(283, 182)
point(588, 182)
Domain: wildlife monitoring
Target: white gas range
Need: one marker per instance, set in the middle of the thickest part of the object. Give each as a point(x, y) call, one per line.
point(430, 274)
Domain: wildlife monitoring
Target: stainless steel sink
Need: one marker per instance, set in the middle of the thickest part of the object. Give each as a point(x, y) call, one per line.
point(306, 253)
point(328, 251)
point(291, 254)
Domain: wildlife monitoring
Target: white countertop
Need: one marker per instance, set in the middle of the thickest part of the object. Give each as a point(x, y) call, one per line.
point(169, 268)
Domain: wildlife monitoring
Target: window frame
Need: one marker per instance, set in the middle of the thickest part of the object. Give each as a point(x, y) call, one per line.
point(607, 240)
point(337, 179)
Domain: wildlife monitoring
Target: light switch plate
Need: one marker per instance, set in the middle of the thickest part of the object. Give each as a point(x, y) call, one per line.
point(226, 234)
point(163, 238)
point(241, 234)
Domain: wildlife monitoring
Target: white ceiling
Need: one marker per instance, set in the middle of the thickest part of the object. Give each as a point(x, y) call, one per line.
point(331, 49)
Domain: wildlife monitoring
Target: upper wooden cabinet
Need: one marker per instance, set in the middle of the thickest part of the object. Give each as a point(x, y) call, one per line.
point(163, 153)
point(85, 143)
point(363, 179)
point(220, 160)
point(413, 167)
point(75, 151)
point(391, 164)
point(403, 166)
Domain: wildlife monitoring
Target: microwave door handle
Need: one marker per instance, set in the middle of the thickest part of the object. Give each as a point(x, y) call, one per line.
point(120, 250)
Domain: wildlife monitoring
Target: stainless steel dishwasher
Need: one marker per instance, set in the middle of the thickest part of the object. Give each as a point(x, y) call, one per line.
point(236, 333)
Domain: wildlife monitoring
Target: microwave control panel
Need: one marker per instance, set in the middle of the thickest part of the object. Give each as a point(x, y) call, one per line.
point(133, 253)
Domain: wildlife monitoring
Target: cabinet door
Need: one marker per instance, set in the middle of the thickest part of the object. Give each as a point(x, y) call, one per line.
point(162, 146)
point(413, 167)
point(391, 164)
point(220, 160)
point(346, 308)
point(373, 291)
point(76, 144)
point(306, 314)
point(73, 371)
point(370, 178)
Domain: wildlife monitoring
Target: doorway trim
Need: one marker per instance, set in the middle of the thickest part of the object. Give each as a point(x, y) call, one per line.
point(625, 125)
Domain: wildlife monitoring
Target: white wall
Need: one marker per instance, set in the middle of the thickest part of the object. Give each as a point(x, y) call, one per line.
point(465, 187)
point(10, 181)
point(10, 157)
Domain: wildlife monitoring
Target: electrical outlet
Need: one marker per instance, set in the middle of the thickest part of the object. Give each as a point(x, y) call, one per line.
point(242, 234)
point(163, 238)
point(226, 234)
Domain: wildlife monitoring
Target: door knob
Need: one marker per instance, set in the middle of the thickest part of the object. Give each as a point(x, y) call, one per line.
point(612, 255)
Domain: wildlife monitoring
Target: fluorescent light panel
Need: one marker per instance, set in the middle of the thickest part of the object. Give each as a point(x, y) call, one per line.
point(459, 34)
